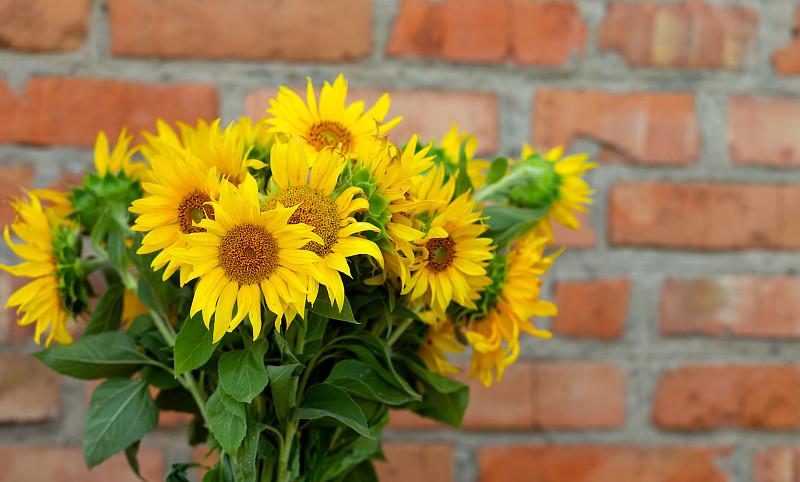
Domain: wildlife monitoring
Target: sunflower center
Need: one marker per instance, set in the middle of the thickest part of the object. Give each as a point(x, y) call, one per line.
point(193, 209)
point(329, 133)
point(248, 254)
point(440, 253)
point(315, 209)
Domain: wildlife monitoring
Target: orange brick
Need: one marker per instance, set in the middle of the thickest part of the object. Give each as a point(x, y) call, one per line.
point(787, 58)
point(44, 26)
point(762, 130)
point(65, 464)
point(596, 463)
point(708, 397)
point(638, 128)
point(777, 464)
point(692, 35)
point(416, 461)
point(13, 180)
point(697, 215)
point(300, 30)
point(592, 308)
point(489, 31)
point(742, 306)
point(426, 113)
point(71, 111)
point(29, 391)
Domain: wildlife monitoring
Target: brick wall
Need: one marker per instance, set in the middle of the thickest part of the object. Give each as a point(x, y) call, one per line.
point(677, 340)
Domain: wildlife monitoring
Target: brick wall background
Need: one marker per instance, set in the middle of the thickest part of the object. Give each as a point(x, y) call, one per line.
point(676, 348)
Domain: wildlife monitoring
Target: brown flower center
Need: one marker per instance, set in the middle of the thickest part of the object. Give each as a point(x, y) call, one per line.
point(440, 253)
point(315, 209)
point(248, 254)
point(193, 209)
point(329, 133)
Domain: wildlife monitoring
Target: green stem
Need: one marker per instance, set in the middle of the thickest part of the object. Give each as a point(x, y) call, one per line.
point(284, 474)
point(399, 331)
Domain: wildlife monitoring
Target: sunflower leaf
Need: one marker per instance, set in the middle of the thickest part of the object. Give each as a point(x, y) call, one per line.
point(193, 346)
point(326, 400)
point(242, 373)
point(103, 355)
point(322, 306)
point(228, 427)
point(108, 313)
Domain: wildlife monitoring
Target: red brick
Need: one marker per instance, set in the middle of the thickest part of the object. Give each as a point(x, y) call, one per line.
point(427, 113)
point(70, 111)
point(691, 35)
point(638, 128)
point(777, 464)
point(787, 58)
point(44, 26)
point(65, 464)
point(10, 331)
point(762, 130)
point(583, 237)
point(596, 463)
point(708, 397)
point(416, 461)
point(13, 180)
point(745, 306)
point(595, 309)
point(300, 30)
point(697, 215)
point(29, 391)
point(540, 396)
point(489, 31)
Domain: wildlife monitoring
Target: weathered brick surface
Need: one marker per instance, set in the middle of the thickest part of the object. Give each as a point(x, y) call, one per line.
point(29, 391)
point(13, 181)
point(43, 26)
point(10, 331)
point(698, 215)
point(416, 461)
point(763, 130)
point(70, 110)
point(693, 35)
point(426, 113)
point(596, 309)
point(594, 463)
point(777, 464)
point(65, 464)
point(708, 397)
point(640, 128)
point(300, 30)
point(742, 306)
point(489, 31)
point(787, 58)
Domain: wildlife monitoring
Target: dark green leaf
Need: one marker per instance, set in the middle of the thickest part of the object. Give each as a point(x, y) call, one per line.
point(177, 472)
point(102, 355)
point(322, 306)
point(108, 313)
point(193, 346)
point(228, 428)
point(158, 377)
point(316, 327)
point(152, 290)
point(497, 170)
point(280, 377)
point(360, 380)
point(325, 400)
point(120, 413)
point(244, 464)
point(439, 382)
point(444, 407)
point(463, 182)
point(287, 355)
point(133, 462)
point(363, 472)
point(506, 217)
point(178, 399)
point(242, 373)
point(215, 474)
point(346, 458)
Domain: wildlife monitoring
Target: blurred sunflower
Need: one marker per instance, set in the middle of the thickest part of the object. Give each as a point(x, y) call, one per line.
point(119, 159)
point(440, 337)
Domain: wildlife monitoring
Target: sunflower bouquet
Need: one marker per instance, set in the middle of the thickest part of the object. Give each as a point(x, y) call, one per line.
point(287, 281)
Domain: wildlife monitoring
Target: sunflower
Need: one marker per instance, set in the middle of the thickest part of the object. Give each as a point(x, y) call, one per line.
point(572, 191)
point(40, 300)
point(451, 145)
point(332, 123)
point(439, 338)
point(243, 253)
point(175, 200)
point(512, 303)
point(452, 263)
point(119, 158)
point(312, 191)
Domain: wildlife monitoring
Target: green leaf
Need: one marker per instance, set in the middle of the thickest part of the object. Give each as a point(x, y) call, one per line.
point(363, 472)
point(244, 464)
point(133, 462)
point(242, 373)
point(228, 428)
point(497, 170)
point(108, 313)
point(463, 182)
point(345, 459)
point(280, 377)
point(439, 382)
point(215, 474)
point(104, 355)
point(326, 400)
point(152, 290)
point(178, 399)
point(158, 377)
point(444, 399)
point(506, 217)
point(360, 380)
point(316, 327)
point(193, 346)
point(322, 306)
point(120, 413)
point(283, 346)
point(177, 472)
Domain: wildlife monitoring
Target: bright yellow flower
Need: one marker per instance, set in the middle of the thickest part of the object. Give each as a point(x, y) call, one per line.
point(451, 144)
point(332, 123)
point(440, 338)
point(132, 308)
point(174, 202)
point(452, 263)
point(311, 190)
point(244, 253)
point(119, 158)
point(40, 300)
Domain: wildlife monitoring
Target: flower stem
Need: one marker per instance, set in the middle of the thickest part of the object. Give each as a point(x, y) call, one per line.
point(399, 331)
point(284, 474)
